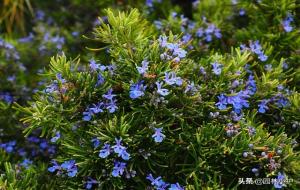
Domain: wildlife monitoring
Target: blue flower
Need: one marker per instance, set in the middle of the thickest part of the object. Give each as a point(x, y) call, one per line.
point(158, 135)
point(202, 70)
point(9, 146)
point(54, 167)
point(21, 152)
point(111, 106)
point(222, 104)
point(200, 32)
point(43, 144)
point(158, 24)
point(149, 3)
point(282, 101)
point(176, 187)
point(6, 97)
point(143, 69)
point(156, 182)
point(124, 155)
point(121, 150)
point(251, 85)
point(33, 139)
point(208, 38)
point(286, 23)
point(191, 88)
point(238, 101)
point(56, 137)
point(52, 88)
point(170, 79)
point(97, 108)
point(137, 90)
point(118, 148)
point(181, 53)
point(58, 41)
point(105, 151)
point(242, 12)
point(100, 79)
point(177, 51)
point(256, 48)
point(27, 38)
point(243, 47)
point(95, 67)
point(262, 107)
point(160, 90)
point(68, 164)
point(186, 38)
point(217, 33)
point(90, 182)
point(210, 29)
point(70, 167)
point(279, 182)
point(26, 163)
point(262, 57)
point(235, 83)
point(111, 69)
point(96, 142)
point(87, 115)
point(255, 171)
point(40, 15)
point(75, 33)
point(163, 41)
point(118, 169)
point(217, 68)
point(109, 95)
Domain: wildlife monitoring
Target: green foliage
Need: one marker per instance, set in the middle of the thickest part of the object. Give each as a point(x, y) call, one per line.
point(197, 149)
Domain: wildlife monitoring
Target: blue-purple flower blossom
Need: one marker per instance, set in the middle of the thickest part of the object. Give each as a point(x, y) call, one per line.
point(56, 137)
point(171, 78)
point(105, 151)
point(70, 167)
point(9, 146)
point(239, 101)
point(144, 68)
point(222, 104)
point(175, 186)
point(26, 163)
point(54, 167)
point(156, 182)
point(121, 150)
point(7, 97)
point(160, 90)
point(94, 66)
point(96, 142)
point(191, 88)
point(217, 68)
point(137, 90)
point(251, 85)
point(109, 95)
point(111, 106)
point(286, 23)
point(262, 106)
point(279, 182)
point(158, 135)
point(118, 169)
